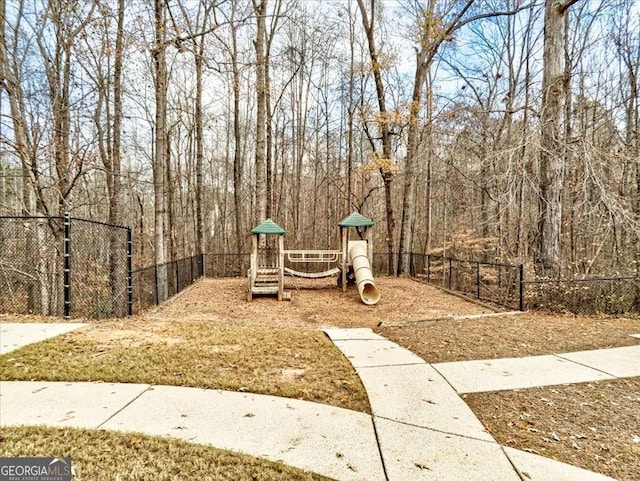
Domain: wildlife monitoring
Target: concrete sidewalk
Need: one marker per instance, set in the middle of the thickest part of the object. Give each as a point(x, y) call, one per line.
point(14, 335)
point(425, 430)
point(334, 442)
point(526, 372)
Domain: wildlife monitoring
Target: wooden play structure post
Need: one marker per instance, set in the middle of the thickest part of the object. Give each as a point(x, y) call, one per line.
point(266, 273)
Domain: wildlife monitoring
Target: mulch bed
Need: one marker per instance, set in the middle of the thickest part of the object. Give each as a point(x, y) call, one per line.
point(593, 425)
point(314, 304)
point(528, 334)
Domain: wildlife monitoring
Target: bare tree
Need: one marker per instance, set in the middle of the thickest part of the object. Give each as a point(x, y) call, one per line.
point(25, 139)
point(197, 41)
point(108, 119)
point(385, 163)
point(160, 143)
point(260, 10)
point(435, 23)
point(551, 142)
point(627, 42)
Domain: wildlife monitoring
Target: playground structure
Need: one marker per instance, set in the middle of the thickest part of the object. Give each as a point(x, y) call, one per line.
point(266, 272)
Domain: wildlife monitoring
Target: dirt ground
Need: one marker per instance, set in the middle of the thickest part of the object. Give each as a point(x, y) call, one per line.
point(592, 425)
point(314, 304)
point(527, 334)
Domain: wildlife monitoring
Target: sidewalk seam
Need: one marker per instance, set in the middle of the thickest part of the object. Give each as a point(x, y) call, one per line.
point(391, 365)
point(355, 339)
point(433, 366)
point(515, 468)
point(448, 433)
point(149, 387)
point(559, 356)
point(375, 432)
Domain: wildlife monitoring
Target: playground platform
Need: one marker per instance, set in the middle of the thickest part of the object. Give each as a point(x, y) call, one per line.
point(420, 428)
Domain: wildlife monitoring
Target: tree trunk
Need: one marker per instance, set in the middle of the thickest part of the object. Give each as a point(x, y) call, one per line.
point(551, 145)
point(160, 160)
point(386, 174)
point(409, 202)
point(117, 243)
point(200, 238)
point(260, 9)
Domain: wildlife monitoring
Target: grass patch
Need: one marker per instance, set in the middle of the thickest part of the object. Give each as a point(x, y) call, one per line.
point(300, 364)
point(108, 456)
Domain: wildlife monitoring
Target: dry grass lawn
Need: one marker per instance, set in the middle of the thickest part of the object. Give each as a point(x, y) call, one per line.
point(109, 456)
point(301, 364)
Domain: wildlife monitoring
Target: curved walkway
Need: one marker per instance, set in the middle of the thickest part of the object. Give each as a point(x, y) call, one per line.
point(420, 428)
point(334, 442)
point(425, 430)
point(14, 335)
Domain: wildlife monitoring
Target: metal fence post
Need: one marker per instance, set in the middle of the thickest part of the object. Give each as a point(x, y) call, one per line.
point(155, 271)
point(191, 267)
point(521, 301)
point(428, 269)
point(477, 280)
point(129, 272)
point(450, 271)
point(202, 267)
point(67, 265)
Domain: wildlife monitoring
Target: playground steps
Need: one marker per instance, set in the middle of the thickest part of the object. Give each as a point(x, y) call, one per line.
point(266, 281)
point(267, 271)
point(265, 289)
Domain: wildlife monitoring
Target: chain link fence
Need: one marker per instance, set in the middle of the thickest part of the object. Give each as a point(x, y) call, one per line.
point(62, 266)
point(595, 295)
point(67, 267)
point(31, 270)
point(98, 269)
point(226, 265)
point(180, 274)
point(496, 283)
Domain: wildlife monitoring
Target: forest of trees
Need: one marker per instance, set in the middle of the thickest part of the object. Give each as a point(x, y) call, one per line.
point(497, 130)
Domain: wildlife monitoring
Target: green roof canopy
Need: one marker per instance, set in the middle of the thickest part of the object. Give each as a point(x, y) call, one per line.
point(268, 227)
point(355, 219)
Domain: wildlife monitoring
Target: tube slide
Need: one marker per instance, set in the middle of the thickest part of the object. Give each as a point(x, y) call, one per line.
point(364, 277)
